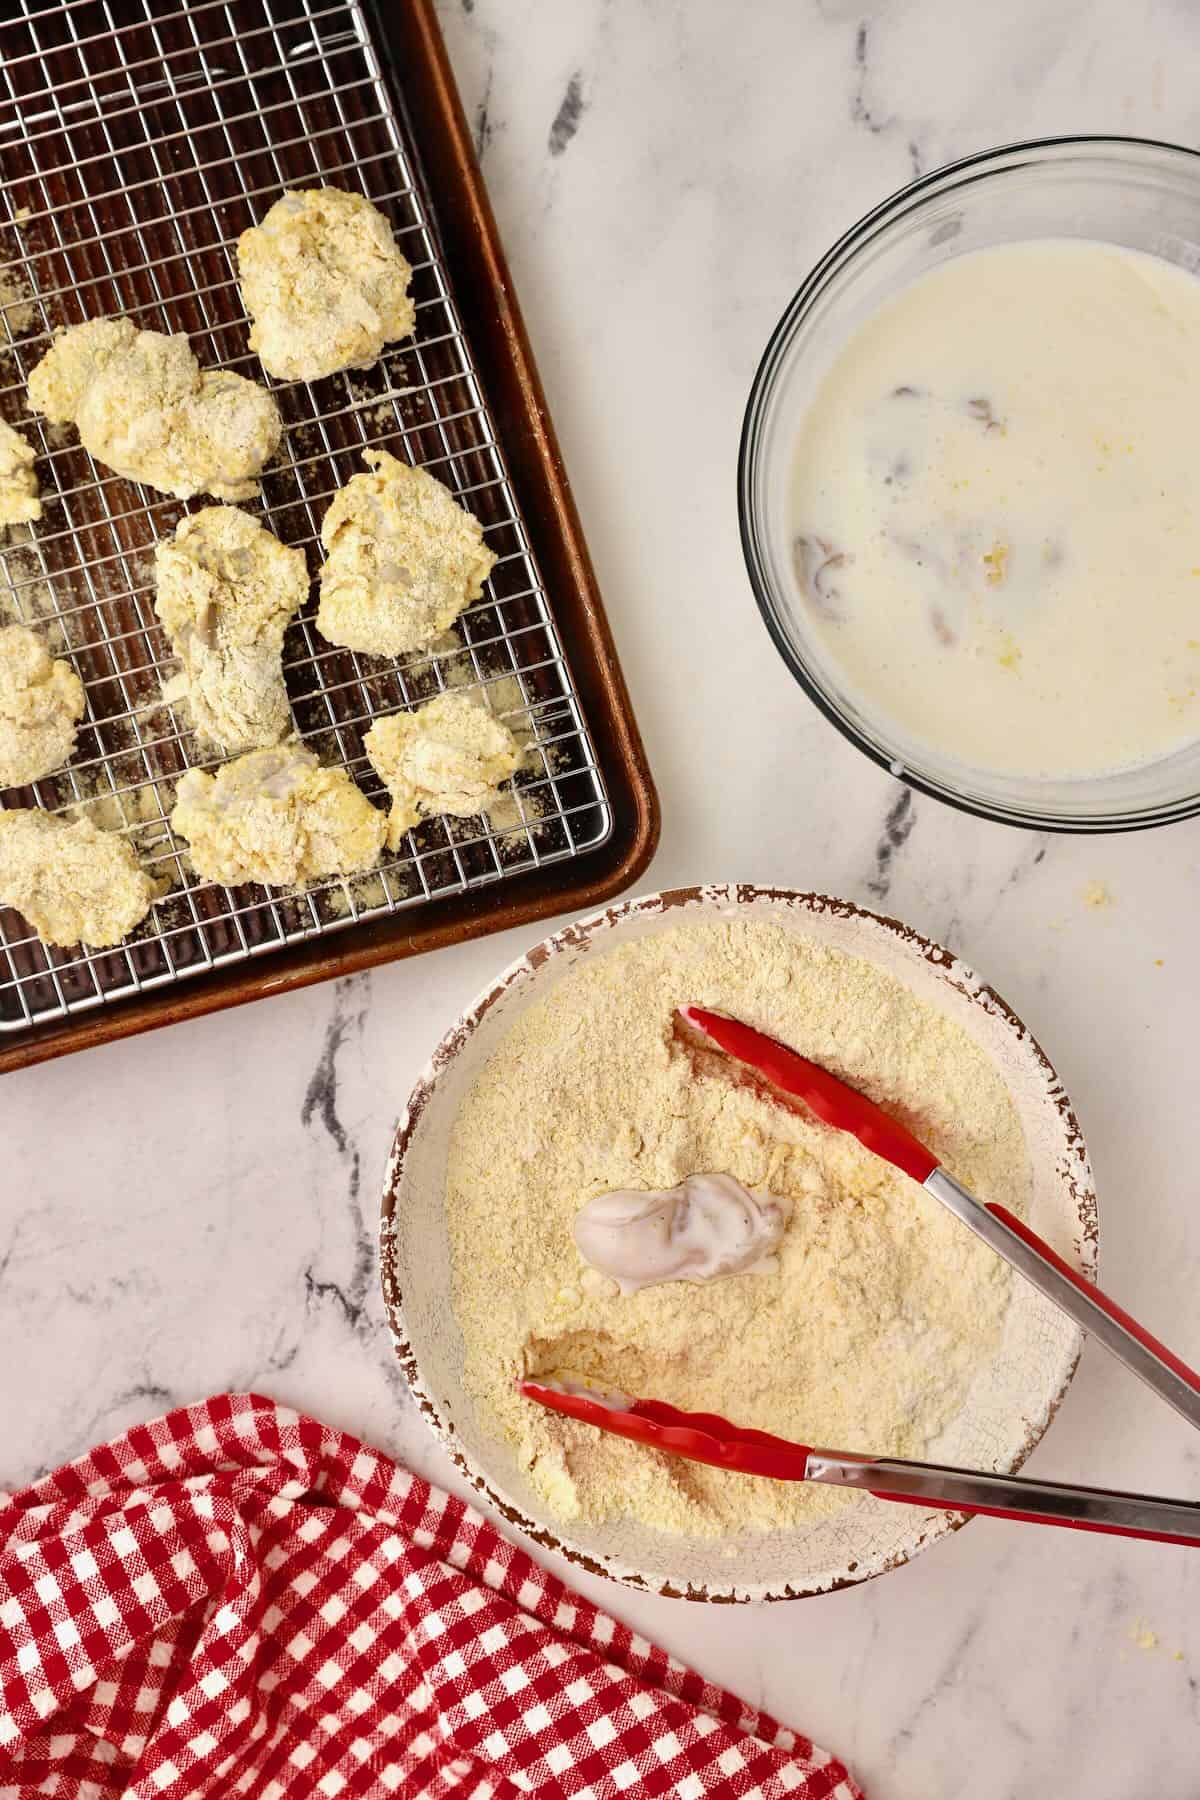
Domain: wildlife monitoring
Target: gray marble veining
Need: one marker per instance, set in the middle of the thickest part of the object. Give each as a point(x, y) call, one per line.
point(197, 1210)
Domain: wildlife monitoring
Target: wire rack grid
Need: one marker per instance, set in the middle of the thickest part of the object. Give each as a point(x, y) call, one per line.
point(137, 141)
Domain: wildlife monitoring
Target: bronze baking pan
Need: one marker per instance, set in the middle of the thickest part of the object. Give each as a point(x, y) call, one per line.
point(242, 127)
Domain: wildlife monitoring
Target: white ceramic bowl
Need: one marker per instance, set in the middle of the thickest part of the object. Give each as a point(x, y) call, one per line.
point(1013, 1398)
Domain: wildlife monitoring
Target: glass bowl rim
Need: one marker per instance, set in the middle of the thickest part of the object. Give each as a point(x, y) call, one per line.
point(978, 165)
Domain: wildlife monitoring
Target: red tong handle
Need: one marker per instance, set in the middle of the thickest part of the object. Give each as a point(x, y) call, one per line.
point(789, 1077)
point(708, 1438)
point(793, 1076)
point(702, 1437)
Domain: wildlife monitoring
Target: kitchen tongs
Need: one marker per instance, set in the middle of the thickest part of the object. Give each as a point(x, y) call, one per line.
point(791, 1079)
point(706, 1438)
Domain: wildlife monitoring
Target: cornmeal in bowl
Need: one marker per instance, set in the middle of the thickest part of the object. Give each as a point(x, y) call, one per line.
point(879, 1310)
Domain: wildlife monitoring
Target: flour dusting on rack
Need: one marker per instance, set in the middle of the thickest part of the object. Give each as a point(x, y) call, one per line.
point(138, 142)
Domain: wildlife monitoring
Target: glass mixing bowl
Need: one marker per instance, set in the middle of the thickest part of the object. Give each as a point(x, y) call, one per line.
point(1126, 191)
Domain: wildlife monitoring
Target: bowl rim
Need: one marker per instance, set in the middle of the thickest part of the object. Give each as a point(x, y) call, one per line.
point(978, 166)
point(523, 969)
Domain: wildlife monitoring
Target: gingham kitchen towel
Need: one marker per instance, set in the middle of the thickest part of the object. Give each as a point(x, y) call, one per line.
point(237, 1600)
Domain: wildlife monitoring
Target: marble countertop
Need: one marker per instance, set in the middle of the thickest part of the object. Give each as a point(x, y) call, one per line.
point(197, 1210)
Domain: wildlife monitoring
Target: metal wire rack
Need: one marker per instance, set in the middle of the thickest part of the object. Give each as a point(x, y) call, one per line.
point(137, 141)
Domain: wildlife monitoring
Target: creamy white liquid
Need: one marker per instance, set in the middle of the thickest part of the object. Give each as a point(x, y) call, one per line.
point(995, 508)
point(709, 1225)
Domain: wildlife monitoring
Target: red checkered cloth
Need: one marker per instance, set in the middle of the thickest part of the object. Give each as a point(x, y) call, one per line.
point(237, 1600)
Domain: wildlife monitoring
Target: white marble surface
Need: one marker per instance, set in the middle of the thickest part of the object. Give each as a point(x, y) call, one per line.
point(196, 1210)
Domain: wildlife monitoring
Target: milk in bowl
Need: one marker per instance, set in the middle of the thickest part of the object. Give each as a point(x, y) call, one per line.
point(993, 510)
